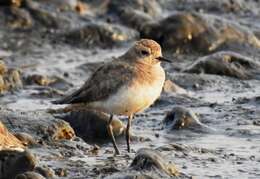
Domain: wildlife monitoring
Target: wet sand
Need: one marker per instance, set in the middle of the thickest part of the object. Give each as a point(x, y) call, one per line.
point(227, 104)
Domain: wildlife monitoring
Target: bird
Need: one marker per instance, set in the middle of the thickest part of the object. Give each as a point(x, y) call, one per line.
point(125, 86)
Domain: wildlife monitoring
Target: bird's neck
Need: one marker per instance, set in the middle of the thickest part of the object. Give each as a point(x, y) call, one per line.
point(148, 73)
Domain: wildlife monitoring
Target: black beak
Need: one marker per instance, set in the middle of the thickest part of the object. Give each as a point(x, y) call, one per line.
point(163, 59)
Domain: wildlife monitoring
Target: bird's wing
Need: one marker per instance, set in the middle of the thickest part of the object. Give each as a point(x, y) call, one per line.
point(105, 81)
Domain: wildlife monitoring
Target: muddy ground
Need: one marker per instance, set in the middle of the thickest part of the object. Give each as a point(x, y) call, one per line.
point(49, 48)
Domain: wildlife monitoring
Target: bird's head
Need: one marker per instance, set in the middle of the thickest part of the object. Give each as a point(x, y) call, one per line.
point(146, 51)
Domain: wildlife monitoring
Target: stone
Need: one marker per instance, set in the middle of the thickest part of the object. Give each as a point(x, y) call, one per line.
point(91, 125)
point(14, 162)
point(134, 18)
point(100, 34)
point(25, 138)
point(148, 159)
point(226, 63)
point(60, 130)
point(45, 171)
point(184, 32)
point(29, 175)
point(10, 79)
point(150, 7)
point(39, 80)
point(47, 128)
point(19, 18)
point(171, 87)
point(147, 164)
point(180, 117)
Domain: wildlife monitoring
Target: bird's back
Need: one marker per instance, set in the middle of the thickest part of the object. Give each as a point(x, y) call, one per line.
point(105, 81)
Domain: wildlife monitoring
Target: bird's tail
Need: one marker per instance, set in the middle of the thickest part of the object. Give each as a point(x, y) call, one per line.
point(67, 99)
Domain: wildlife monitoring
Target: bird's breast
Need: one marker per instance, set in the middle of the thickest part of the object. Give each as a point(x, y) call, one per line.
point(136, 96)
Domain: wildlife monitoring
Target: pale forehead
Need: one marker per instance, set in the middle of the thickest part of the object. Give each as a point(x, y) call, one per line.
point(151, 44)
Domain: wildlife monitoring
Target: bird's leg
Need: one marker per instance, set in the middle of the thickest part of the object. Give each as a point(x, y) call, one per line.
point(110, 132)
point(128, 132)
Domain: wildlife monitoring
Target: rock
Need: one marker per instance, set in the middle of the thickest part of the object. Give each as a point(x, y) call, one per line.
point(170, 87)
point(39, 124)
point(91, 125)
point(61, 172)
point(14, 162)
point(100, 34)
point(29, 175)
point(60, 130)
point(180, 117)
point(39, 80)
point(10, 79)
point(25, 138)
point(226, 63)
point(147, 164)
point(185, 31)
point(150, 7)
point(45, 17)
point(46, 172)
point(130, 176)
point(134, 18)
point(8, 140)
point(148, 159)
point(19, 18)
point(214, 7)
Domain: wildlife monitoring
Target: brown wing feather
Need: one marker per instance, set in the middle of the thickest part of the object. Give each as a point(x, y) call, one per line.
point(105, 81)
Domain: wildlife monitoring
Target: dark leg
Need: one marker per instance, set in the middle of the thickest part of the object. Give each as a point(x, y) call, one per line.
point(110, 132)
point(128, 132)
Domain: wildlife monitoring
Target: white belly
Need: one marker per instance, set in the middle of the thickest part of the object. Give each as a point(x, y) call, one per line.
point(130, 100)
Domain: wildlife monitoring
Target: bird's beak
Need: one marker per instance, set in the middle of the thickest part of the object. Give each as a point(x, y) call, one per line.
point(163, 59)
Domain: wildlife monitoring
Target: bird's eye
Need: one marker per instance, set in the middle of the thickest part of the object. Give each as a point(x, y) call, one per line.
point(144, 52)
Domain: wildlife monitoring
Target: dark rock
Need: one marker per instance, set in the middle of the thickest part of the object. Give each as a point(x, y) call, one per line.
point(228, 64)
point(180, 117)
point(14, 162)
point(185, 31)
point(29, 175)
point(100, 34)
point(92, 125)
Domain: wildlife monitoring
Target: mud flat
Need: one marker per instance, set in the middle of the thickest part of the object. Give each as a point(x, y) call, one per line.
point(204, 125)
